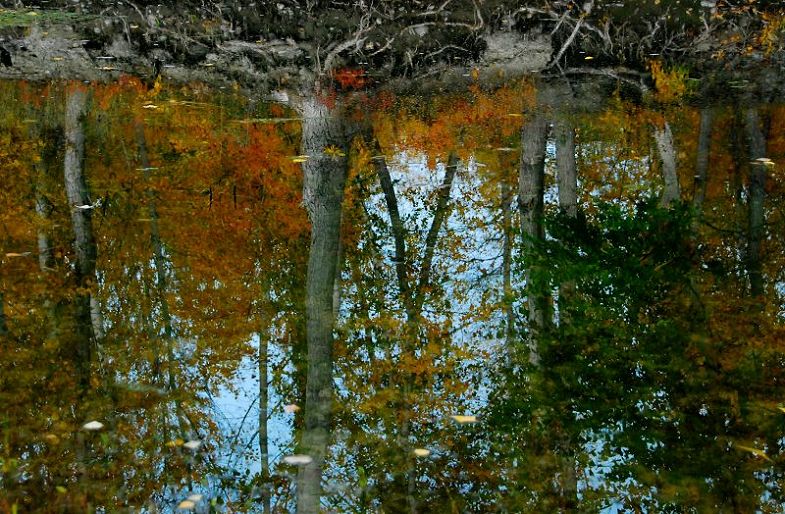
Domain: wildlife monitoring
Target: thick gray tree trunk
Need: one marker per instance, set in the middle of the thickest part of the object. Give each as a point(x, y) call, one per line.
point(323, 188)
point(757, 194)
point(567, 177)
point(667, 150)
point(566, 168)
point(531, 184)
point(84, 241)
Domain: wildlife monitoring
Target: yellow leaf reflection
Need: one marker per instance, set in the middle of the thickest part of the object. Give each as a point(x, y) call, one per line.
point(186, 505)
point(756, 452)
point(462, 420)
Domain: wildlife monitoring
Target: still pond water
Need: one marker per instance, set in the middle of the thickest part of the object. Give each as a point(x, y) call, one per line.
point(488, 300)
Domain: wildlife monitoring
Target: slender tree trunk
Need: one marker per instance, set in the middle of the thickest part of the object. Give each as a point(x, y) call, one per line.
point(509, 314)
point(757, 193)
point(702, 160)
point(667, 150)
point(264, 399)
point(323, 187)
point(531, 185)
point(414, 300)
point(43, 209)
point(84, 241)
point(3, 324)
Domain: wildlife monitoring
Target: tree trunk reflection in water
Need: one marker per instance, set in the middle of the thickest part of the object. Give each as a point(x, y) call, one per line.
point(531, 185)
point(84, 241)
point(664, 139)
point(757, 149)
point(567, 178)
point(263, 401)
point(702, 160)
point(3, 326)
point(413, 300)
point(323, 187)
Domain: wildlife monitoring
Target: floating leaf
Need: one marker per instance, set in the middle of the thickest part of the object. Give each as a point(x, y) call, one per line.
point(186, 505)
point(192, 445)
point(61, 489)
point(421, 452)
point(464, 419)
point(175, 443)
point(299, 158)
point(12, 254)
point(93, 426)
point(298, 460)
point(196, 498)
point(756, 452)
point(291, 409)
point(149, 106)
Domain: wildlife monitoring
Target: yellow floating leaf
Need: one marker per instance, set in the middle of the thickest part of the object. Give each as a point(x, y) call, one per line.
point(464, 419)
point(186, 505)
point(291, 409)
point(12, 254)
point(149, 106)
point(57, 58)
point(299, 158)
point(756, 452)
point(175, 443)
point(421, 452)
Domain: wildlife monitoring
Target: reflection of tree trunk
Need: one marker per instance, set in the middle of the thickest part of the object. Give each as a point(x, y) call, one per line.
point(509, 314)
point(3, 325)
point(568, 194)
point(81, 220)
point(399, 234)
point(702, 161)
point(567, 176)
point(531, 184)
point(757, 145)
point(664, 139)
point(43, 208)
point(323, 185)
point(566, 168)
point(414, 300)
point(439, 215)
point(263, 401)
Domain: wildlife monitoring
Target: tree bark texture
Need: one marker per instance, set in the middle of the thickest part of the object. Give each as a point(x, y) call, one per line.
point(757, 183)
point(531, 186)
point(667, 150)
point(84, 240)
point(323, 187)
point(566, 168)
